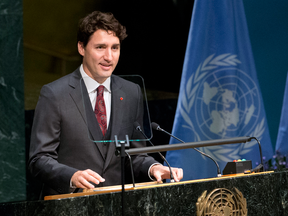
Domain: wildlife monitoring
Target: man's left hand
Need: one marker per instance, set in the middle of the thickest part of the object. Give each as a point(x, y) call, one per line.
point(161, 172)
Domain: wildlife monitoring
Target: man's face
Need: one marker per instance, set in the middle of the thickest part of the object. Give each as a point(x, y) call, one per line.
point(101, 55)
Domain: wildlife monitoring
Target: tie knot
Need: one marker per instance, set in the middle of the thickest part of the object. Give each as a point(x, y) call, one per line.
point(100, 90)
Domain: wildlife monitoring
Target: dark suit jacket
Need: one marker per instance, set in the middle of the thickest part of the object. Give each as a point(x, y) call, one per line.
point(61, 141)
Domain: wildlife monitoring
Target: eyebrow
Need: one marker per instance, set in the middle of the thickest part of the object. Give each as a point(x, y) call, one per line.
point(104, 44)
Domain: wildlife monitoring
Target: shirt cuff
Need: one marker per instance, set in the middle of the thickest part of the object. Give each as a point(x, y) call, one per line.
point(71, 185)
point(152, 178)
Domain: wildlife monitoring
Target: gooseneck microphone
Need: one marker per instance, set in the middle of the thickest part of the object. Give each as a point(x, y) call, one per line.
point(137, 126)
point(156, 126)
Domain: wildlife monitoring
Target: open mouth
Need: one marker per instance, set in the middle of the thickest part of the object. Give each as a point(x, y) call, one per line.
point(106, 66)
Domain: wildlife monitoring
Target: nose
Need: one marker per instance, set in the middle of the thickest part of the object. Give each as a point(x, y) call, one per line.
point(108, 55)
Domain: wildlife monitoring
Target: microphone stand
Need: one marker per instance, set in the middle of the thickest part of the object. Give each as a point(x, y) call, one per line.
point(171, 174)
point(122, 145)
point(202, 153)
point(260, 167)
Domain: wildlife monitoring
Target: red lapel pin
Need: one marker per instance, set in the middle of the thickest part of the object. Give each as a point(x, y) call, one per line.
point(121, 98)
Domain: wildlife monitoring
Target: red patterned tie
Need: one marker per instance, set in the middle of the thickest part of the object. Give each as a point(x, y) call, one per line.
point(100, 110)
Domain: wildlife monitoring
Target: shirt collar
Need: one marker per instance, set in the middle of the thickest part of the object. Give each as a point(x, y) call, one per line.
point(92, 84)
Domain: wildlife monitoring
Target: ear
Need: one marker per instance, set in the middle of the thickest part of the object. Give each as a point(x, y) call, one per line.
point(81, 48)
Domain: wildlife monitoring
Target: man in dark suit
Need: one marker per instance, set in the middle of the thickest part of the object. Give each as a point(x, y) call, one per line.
point(63, 154)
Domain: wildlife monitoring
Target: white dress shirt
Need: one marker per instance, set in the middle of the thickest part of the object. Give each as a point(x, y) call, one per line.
point(92, 86)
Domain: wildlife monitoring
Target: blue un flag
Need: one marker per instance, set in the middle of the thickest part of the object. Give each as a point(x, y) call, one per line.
point(219, 93)
point(282, 143)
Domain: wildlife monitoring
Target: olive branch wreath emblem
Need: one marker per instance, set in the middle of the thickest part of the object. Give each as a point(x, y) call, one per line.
point(212, 62)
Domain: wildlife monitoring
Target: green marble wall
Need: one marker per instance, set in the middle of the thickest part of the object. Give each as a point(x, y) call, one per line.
point(12, 120)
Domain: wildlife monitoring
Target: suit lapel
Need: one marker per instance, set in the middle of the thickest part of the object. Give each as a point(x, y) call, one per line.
point(117, 107)
point(82, 101)
point(76, 94)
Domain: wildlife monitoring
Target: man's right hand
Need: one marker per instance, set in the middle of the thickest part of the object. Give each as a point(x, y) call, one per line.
point(81, 179)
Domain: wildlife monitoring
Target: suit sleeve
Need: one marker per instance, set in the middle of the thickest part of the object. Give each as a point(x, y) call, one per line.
point(141, 162)
point(45, 140)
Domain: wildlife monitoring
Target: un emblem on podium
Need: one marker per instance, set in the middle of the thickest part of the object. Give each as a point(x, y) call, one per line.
point(222, 202)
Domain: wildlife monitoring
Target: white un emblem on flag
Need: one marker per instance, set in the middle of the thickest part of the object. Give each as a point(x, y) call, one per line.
point(226, 102)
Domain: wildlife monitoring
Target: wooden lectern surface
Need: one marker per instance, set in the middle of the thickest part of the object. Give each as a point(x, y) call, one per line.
point(118, 188)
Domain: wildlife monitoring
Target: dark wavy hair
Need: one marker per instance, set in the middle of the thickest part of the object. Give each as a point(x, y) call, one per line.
point(99, 20)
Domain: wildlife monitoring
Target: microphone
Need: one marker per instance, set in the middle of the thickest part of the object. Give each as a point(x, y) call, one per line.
point(156, 126)
point(137, 126)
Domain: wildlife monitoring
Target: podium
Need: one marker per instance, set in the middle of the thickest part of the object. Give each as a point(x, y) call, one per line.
point(265, 193)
